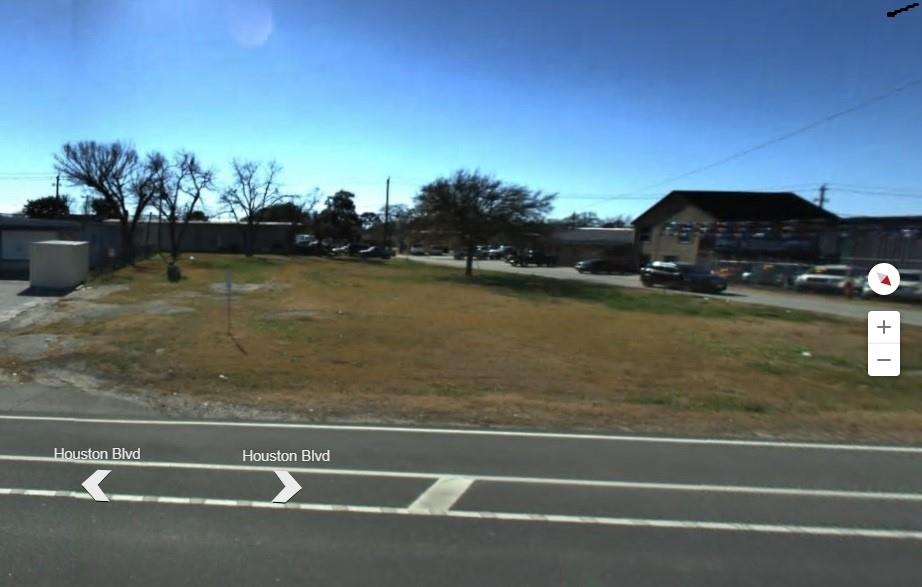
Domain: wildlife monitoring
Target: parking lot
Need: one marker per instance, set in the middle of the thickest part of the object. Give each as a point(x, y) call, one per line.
point(11, 301)
point(823, 304)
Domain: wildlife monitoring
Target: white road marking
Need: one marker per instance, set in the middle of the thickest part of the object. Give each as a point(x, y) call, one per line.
point(745, 489)
point(289, 489)
point(826, 531)
point(441, 495)
point(466, 432)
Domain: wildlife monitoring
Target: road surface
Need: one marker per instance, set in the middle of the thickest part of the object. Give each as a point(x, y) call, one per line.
point(403, 506)
point(11, 299)
point(823, 304)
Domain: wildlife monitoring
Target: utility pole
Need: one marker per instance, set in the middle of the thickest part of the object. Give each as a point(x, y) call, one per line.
point(821, 200)
point(57, 186)
point(387, 204)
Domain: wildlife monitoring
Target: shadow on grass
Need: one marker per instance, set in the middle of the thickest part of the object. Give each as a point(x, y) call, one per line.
point(238, 345)
point(657, 302)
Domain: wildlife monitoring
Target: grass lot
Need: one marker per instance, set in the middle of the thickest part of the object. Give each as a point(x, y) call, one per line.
point(404, 341)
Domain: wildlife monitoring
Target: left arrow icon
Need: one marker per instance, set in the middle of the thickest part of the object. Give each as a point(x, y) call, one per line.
point(92, 485)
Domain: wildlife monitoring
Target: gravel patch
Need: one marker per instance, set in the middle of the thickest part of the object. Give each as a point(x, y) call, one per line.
point(244, 288)
point(292, 315)
point(31, 347)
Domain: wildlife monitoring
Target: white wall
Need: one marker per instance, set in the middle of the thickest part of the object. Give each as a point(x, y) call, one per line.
point(59, 264)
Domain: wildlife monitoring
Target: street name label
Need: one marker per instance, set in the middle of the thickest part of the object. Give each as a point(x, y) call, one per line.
point(308, 455)
point(103, 454)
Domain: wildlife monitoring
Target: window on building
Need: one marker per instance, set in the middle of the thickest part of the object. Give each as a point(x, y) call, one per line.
point(644, 234)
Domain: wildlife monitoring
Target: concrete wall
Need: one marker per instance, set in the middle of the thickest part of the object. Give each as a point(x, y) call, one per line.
point(14, 250)
point(58, 264)
point(218, 237)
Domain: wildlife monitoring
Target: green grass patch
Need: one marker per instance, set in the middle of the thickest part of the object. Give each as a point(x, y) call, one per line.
point(546, 289)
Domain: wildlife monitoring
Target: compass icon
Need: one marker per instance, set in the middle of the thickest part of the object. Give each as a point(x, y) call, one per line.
point(883, 279)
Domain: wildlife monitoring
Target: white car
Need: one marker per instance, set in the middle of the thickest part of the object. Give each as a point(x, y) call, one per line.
point(910, 288)
point(829, 278)
point(417, 250)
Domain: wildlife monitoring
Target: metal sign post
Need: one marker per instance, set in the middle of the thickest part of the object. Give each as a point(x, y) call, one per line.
point(227, 286)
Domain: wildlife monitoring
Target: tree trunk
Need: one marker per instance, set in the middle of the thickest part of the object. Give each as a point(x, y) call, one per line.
point(127, 244)
point(469, 266)
point(174, 241)
point(250, 233)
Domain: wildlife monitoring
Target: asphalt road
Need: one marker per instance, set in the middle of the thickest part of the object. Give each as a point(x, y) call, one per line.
point(11, 301)
point(823, 304)
point(400, 506)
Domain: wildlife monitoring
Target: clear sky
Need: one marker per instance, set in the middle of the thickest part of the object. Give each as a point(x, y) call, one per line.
point(584, 98)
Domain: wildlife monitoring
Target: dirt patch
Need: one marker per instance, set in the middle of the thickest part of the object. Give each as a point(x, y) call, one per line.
point(89, 293)
point(245, 288)
point(31, 347)
point(83, 311)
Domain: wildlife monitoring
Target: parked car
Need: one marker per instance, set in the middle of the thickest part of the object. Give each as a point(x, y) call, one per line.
point(437, 250)
point(532, 257)
point(829, 279)
point(482, 251)
point(602, 266)
point(311, 247)
point(376, 252)
point(417, 249)
point(910, 288)
point(459, 254)
point(773, 274)
point(500, 252)
point(350, 249)
point(682, 276)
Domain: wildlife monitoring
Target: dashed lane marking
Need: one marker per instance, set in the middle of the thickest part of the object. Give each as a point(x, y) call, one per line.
point(823, 531)
point(740, 489)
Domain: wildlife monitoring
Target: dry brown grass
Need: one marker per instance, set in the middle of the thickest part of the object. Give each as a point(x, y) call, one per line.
point(406, 342)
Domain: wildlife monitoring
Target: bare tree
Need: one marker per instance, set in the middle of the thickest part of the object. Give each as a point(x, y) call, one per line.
point(114, 171)
point(180, 188)
point(254, 188)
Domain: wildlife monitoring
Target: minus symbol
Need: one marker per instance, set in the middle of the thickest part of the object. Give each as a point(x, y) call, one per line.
point(883, 360)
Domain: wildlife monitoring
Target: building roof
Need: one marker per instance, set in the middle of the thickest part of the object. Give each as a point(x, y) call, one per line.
point(601, 236)
point(20, 222)
point(736, 206)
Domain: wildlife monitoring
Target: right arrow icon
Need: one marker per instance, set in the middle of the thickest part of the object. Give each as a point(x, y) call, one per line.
point(290, 489)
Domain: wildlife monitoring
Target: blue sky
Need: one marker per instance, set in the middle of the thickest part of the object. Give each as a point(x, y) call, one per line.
point(587, 99)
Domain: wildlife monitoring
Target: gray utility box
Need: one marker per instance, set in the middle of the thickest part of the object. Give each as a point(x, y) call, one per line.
point(59, 264)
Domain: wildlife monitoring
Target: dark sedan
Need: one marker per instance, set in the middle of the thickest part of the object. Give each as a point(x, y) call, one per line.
point(682, 276)
point(376, 252)
point(602, 266)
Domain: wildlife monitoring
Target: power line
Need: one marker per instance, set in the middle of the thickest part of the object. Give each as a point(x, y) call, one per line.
point(788, 135)
point(916, 196)
point(882, 189)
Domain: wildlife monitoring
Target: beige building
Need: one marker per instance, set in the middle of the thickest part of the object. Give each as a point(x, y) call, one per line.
point(704, 227)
